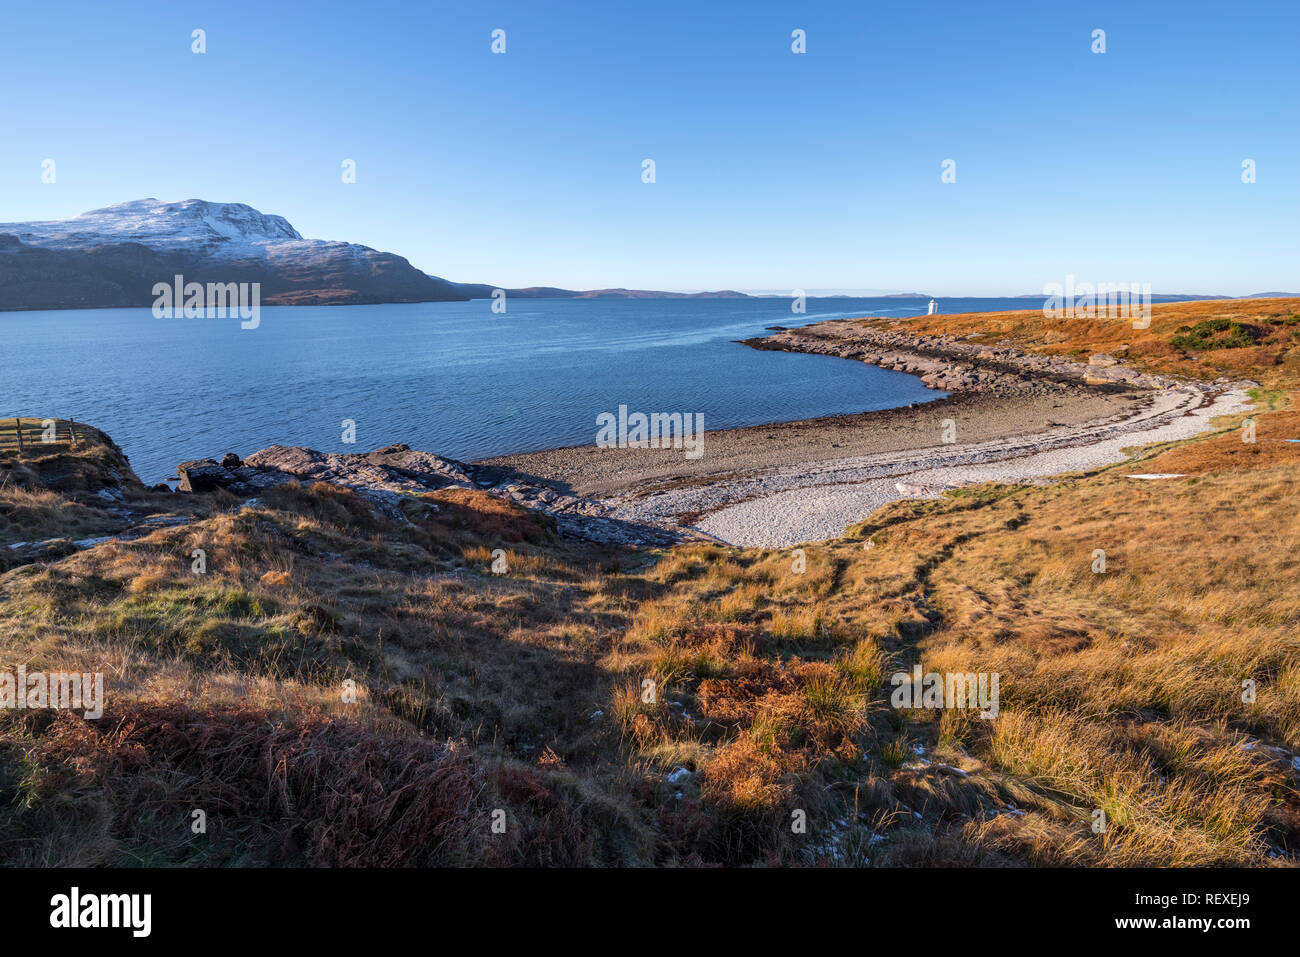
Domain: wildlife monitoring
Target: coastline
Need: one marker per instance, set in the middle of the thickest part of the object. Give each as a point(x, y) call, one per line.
point(587, 470)
point(1011, 415)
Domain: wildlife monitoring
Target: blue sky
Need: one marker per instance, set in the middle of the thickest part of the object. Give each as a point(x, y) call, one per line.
point(774, 170)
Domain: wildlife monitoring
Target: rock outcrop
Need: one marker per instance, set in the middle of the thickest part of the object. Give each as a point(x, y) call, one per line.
point(385, 476)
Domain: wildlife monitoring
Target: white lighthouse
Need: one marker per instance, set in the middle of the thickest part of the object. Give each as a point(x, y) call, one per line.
point(934, 307)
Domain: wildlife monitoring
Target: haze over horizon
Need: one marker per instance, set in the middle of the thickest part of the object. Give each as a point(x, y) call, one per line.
point(818, 170)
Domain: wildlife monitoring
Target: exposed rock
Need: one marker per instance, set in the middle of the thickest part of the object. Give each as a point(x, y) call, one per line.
point(951, 364)
point(385, 476)
point(231, 461)
point(397, 468)
point(200, 475)
point(920, 490)
point(913, 488)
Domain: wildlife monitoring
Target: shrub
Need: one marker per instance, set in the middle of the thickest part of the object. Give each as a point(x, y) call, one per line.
point(1213, 334)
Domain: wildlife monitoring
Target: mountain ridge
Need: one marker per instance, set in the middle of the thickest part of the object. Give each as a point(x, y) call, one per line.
point(483, 290)
point(113, 256)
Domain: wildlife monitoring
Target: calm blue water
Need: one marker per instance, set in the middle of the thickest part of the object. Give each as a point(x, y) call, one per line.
point(451, 378)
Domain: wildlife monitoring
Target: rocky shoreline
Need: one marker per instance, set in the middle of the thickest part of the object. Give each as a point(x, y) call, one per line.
point(952, 364)
point(789, 504)
point(1016, 416)
point(387, 476)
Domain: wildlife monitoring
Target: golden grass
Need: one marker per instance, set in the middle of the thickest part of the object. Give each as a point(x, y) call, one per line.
point(1274, 360)
point(691, 711)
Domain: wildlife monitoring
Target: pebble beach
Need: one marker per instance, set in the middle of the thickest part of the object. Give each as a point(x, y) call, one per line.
point(1008, 417)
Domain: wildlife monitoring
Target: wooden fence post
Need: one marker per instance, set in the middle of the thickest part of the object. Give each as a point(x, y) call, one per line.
point(18, 431)
point(72, 432)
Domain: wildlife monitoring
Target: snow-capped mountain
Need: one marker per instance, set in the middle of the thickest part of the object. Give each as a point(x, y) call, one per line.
point(224, 229)
point(113, 256)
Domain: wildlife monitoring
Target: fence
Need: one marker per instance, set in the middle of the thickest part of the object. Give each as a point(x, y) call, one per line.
point(36, 436)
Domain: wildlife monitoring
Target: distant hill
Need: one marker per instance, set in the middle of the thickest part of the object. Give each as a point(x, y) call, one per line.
point(113, 257)
point(479, 290)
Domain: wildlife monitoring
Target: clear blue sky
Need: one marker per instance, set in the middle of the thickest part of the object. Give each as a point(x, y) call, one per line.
point(775, 170)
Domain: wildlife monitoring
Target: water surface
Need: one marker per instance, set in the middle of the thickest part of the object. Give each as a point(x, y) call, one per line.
point(451, 378)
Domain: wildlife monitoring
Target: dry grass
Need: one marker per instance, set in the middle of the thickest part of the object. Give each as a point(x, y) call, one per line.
point(28, 514)
point(302, 788)
point(1273, 325)
point(697, 710)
